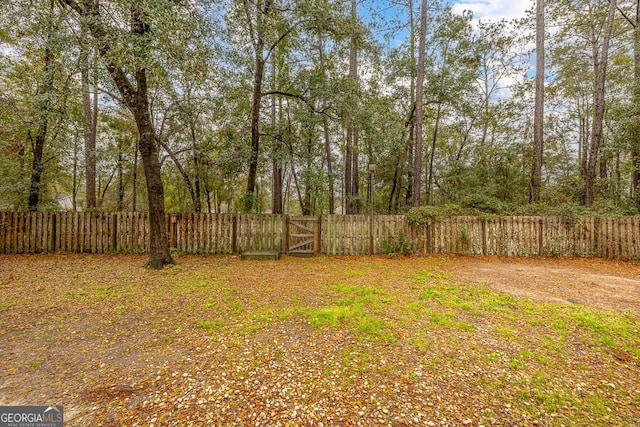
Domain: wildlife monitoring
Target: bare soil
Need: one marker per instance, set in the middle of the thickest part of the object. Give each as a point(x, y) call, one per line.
point(603, 284)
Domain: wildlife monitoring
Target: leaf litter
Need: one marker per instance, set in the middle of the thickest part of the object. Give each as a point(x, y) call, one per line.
point(324, 341)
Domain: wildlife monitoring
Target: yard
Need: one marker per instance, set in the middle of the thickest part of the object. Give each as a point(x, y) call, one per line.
point(435, 341)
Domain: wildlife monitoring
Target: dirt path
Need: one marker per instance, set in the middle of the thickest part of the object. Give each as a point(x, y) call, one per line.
point(604, 284)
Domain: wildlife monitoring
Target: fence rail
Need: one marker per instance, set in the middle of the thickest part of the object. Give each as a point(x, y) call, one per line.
point(128, 232)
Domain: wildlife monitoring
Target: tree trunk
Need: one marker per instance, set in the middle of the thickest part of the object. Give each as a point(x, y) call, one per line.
point(276, 167)
point(538, 115)
point(400, 163)
point(600, 67)
point(432, 153)
point(327, 138)
point(255, 128)
point(185, 176)
point(417, 163)
point(90, 124)
point(120, 177)
point(134, 179)
point(635, 127)
point(355, 177)
point(45, 92)
point(137, 101)
point(408, 153)
point(409, 156)
point(74, 192)
point(330, 177)
point(158, 242)
point(351, 151)
point(348, 170)
point(197, 161)
point(37, 165)
point(262, 13)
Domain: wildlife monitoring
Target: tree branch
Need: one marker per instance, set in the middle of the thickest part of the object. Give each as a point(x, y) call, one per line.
point(301, 98)
point(633, 24)
point(90, 9)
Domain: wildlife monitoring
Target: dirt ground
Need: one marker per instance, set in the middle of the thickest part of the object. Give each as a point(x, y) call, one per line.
point(219, 341)
point(604, 284)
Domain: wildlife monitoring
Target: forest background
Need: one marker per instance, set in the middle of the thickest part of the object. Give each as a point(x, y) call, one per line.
point(281, 106)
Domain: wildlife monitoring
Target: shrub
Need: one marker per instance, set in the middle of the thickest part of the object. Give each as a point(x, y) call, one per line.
point(400, 244)
point(422, 215)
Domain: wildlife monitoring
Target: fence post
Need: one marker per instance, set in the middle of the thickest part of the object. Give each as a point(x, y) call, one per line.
point(285, 235)
point(234, 234)
point(484, 236)
point(540, 234)
point(316, 236)
point(3, 231)
point(596, 236)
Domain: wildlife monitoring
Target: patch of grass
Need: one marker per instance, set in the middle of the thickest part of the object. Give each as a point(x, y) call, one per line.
point(608, 341)
point(493, 301)
point(264, 315)
point(447, 319)
point(210, 325)
point(430, 293)
point(516, 363)
point(103, 291)
point(359, 291)
point(335, 315)
point(424, 275)
point(505, 331)
point(493, 357)
point(232, 304)
point(607, 328)
point(559, 325)
point(355, 317)
point(422, 343)
point(359, 309)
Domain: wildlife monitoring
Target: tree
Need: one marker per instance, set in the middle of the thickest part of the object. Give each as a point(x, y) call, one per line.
point(633, 126)
point(417, 164)
point(351, 179)
point(600, 67)
point(46, 94)
point(134, 95)
point(267, 28)
point(90, 116)
point(538, 119)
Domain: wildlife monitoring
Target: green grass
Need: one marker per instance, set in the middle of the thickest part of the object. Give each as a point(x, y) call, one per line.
point(210, 325)
point(357, 308)
point(437, 274)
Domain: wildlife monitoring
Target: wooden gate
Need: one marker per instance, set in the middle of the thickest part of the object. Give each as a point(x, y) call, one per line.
point(303, 236)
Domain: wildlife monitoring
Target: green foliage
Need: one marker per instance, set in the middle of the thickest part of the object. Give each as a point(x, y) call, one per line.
point(399, 244)
point(483, 203)
point(200, 58)
point(249, 203)
point(423, 214)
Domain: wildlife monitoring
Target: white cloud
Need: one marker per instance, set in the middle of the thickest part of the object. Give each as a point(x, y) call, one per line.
point(493, 10)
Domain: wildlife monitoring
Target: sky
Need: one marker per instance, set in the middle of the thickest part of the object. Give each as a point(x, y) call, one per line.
point(493, 9)
point(486, 10)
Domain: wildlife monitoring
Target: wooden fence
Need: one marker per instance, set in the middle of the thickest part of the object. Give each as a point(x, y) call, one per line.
point(121, 232)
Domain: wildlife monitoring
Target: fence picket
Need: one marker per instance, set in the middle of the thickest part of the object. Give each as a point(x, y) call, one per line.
point(201, 233)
